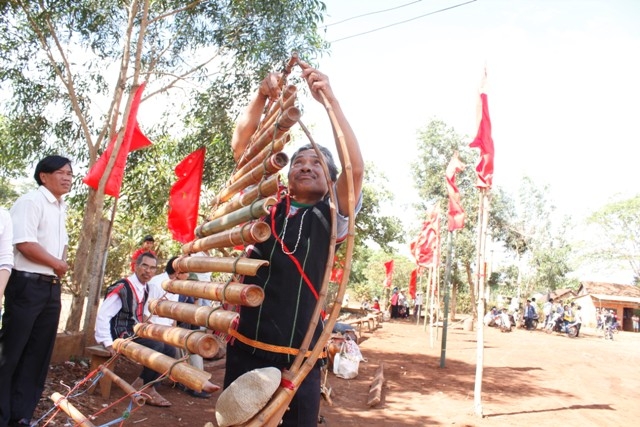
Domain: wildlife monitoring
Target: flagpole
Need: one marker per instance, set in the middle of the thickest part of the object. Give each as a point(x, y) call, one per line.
point(483, 220)
point(447, 279)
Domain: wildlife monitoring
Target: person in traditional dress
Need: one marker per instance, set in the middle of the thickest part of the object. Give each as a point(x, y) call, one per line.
point(270, 335)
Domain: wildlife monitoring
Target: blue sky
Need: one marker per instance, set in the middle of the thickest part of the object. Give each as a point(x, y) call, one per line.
point(564, 88)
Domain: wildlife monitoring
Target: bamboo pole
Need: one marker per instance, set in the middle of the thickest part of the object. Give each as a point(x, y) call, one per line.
point(136, 397)
point(196, 342)
point(263, 189)
point(179, 371)
point(224, 265)
point(256, 210)
point(71, 410)
point(247, 234)
point(447, 279)
point(232, 292)
point(271, 165)
point(483, 219)
point(211, 318)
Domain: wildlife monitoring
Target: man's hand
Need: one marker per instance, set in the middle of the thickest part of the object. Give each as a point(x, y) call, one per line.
point(317, 81)
point(60, 268)
point(269, 88)
point(112, 351)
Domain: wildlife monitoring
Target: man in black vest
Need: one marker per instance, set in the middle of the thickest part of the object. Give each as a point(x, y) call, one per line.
point(122, 308)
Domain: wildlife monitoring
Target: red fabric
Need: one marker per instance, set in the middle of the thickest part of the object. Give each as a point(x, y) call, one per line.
point(337, 272)
point(133, 139)
point(425, 246)
point(485, 143)
point(388, 267)
point(412, 283)
point(184, 197)
point(456, 212)
point(136, 254)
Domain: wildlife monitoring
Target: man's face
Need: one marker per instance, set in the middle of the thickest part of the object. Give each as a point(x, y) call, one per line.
point(58, 182)
point(147, 244)
point(307, 182)
point(146, 268)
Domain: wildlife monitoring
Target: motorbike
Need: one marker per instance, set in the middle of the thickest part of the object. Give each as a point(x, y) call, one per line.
point(556, 324)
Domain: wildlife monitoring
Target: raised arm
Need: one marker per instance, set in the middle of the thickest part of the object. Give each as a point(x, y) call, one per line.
point(249, 120)
point(317, 82)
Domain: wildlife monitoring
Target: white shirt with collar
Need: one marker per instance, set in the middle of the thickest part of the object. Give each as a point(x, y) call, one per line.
point(156, 292)
point(39, 217)
point(110, 307)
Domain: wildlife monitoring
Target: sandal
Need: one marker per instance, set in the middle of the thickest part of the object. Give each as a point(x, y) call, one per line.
point(155, 399)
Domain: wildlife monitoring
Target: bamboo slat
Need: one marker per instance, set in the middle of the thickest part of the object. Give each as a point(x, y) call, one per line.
point(232, 292)
point(196, 342)
point(224, 265)
point(181, 372)
point(211, 318)
point(260, 191)
point(247, 234)
point(137, 398)
point(71, 410)
point(256, 210)
point(271, 165)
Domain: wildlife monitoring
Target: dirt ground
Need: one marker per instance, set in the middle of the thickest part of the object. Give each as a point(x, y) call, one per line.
point(529, 378)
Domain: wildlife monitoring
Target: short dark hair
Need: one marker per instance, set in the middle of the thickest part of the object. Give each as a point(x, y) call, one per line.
point(145, 254)
point(328, 157)
point(49, 164)
point(148, 238)
point(169, 267)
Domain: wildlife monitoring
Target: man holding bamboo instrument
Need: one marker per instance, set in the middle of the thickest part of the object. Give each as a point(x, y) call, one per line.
point(271, 334)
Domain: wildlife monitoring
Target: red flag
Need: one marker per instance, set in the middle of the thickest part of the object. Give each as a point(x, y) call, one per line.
point(412, 283)
point(337, 272)
point(133, 139)
point(424, 247)
point(388, 267)
point(484, 141)
point(184, 197)
point(456, 212)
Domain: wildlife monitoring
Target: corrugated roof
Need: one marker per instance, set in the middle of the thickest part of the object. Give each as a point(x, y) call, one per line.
point(616, 298)
point(610, 289)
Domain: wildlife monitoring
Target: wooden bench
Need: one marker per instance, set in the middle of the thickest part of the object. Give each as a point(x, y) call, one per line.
point(99, 356)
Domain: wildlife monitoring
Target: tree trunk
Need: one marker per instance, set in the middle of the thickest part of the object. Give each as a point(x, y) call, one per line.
point(88, 266)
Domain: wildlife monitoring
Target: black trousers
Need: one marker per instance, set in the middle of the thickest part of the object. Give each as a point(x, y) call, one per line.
point(149, 374)
point(29, 328)
point(304, 407)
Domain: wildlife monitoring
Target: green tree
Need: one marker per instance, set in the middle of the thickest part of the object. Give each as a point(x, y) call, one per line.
point(617, 229)
point(71, 68)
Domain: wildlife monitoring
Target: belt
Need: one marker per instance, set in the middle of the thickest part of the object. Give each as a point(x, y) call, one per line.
point(54, 280)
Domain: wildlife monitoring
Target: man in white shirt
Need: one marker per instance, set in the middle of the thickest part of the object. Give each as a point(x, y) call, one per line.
point(156, 292)
point(122, 308)
point(32, 295)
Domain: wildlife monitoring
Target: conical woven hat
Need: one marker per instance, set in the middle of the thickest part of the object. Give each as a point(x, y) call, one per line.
point(246, 396)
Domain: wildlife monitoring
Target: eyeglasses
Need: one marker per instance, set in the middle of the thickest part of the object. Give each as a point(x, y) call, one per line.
point(148, 267)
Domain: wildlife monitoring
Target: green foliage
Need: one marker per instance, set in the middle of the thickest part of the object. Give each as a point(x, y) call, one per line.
point(617, 227)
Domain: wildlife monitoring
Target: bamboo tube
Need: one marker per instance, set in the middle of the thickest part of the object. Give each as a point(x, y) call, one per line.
point(274, 111)
point(247, 234)
point(233, 292)
point(211, 318)
point(196, 342)
point(72, 411)
point(181, 372)
point(263, 189)
point(137, 398)
point(289, 118)
point(271, 165)
point(256, 210)
point(242, 266)
point(276, 147)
